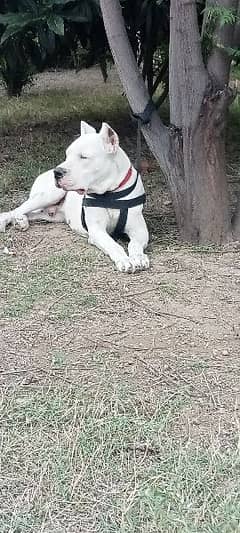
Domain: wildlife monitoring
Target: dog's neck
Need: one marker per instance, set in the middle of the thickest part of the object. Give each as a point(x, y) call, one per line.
point(122, 164)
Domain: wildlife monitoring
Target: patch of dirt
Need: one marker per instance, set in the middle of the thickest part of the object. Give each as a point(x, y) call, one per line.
point(173, 329)
point(61, 79)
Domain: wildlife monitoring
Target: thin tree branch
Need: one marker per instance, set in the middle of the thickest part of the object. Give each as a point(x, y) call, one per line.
point(205, 16)
point(123, 55)
point(160, 76)
point(163, 95)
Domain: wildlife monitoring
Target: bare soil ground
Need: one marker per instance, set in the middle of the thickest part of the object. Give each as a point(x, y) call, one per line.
point(175, 328)
point(71, 80)
point(164, 341)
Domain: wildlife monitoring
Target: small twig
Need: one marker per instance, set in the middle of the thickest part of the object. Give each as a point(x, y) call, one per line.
point(37, 244)
point(150, 367)
point(124, 331)
point(50, 370)
point(52, 304)
point(167, 377)
point(118, 347)
point(210, 391)
point(164, 313)
point(112, 312)
point(12, 372)
point(140, 292)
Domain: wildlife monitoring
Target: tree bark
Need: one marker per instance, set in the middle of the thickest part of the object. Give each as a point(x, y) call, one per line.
point(187, 75)
point(200, 113)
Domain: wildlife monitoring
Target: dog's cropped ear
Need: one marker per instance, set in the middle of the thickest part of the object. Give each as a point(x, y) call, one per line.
point(110, 138)
point(85, 128)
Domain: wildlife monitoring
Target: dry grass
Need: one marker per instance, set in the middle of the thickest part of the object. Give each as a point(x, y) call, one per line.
point(76, 461)
point(119, 405)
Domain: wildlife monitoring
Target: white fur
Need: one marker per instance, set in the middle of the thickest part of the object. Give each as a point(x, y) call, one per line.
point(94, 163)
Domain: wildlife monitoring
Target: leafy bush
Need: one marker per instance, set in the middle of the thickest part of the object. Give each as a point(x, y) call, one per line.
point(33, 32)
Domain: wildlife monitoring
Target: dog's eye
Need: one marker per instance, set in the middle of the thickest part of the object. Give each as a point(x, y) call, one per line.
point(83, 157)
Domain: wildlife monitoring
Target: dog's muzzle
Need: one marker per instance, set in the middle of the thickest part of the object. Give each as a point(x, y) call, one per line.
point(59, 174)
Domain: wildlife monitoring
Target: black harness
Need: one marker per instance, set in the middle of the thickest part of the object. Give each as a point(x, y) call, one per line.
point(113, 200)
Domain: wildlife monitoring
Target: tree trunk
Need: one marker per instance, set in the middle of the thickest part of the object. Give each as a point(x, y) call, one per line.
point(200, 113)
point(191, 152)
point(236, 218)
point(205, 171)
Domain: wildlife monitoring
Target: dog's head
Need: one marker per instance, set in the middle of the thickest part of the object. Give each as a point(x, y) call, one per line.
point(89, 160)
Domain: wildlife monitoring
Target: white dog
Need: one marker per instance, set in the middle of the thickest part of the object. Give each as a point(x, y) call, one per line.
point(96, 191)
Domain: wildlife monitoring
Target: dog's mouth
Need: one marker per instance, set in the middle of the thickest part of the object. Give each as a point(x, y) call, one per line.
point(66, 188)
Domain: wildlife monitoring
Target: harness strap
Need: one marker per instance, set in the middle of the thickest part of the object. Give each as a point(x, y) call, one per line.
point(142, 120)
point(121, 205)
point(83, 219)
point(113, 194)
point(121, 223)
point(111, 203)
point(113, 200)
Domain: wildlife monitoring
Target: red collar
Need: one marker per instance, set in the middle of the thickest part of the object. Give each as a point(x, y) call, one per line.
point(125, 180)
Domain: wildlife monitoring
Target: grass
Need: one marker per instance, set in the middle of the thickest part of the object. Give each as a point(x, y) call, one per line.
point(58, 106)
point(167, 289)
point(38, 153)
point(37, 130)
point(53, 281)
point(105, 462)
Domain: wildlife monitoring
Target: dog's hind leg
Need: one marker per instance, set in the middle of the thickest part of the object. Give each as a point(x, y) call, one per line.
point(52, 214)
point(30, 207)
point(44, 193)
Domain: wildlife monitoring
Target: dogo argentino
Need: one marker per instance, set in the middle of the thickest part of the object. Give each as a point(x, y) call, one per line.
point(97, 192)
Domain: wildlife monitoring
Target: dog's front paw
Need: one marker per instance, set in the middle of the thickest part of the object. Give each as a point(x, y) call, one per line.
point(124, 265)
point(139, 262)
point(22, 222)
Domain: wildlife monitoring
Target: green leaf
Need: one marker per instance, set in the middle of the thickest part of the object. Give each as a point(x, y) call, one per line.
point(56, 24)
point(9, 32)
point(15, 19)
point(16, 22)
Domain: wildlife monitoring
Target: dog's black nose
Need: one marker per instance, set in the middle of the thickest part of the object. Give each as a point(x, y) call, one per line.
point(58, 173)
